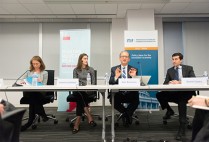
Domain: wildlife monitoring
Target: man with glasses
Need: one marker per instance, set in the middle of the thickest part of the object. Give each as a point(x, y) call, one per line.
point(173, 76)
point(131, 97)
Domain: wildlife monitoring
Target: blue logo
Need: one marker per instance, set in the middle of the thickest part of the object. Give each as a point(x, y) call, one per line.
point(130, 40)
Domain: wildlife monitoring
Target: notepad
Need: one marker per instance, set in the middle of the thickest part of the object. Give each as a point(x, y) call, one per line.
point(28, 81)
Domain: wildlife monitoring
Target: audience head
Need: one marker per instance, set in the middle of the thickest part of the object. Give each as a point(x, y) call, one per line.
point(37, 63)
point(82, 61)
point(177, 59)
point(124, 58)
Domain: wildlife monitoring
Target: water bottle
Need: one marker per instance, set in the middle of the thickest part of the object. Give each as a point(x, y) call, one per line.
point(35, 79)
point(205, 74)
point(88, 79)
point(106, 79)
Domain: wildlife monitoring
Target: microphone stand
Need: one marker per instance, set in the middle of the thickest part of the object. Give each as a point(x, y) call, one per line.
point(141, 80)
point(15, 84)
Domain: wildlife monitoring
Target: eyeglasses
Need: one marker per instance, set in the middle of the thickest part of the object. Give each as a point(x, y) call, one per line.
point(124, 56)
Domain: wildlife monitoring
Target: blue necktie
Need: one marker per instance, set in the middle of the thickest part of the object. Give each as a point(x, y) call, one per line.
point(124, 72)
point(176, 77)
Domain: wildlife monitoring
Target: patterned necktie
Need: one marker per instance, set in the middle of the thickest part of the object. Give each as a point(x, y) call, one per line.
point(124, 72)
point(176, 77)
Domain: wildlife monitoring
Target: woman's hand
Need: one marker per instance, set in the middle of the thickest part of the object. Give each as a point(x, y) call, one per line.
point(23, 82)
point(39, 79)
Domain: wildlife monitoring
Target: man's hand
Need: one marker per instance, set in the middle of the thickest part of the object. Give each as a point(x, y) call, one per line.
point(174, 82)
point(132, 72)
point(117, 72)
point(197, 101)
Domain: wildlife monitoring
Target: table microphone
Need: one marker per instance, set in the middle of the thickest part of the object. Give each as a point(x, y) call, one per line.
point(15, 84)
point(141, 80)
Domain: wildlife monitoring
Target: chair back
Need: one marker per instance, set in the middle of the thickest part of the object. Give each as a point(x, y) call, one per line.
point(93, 95)
point(95, 73)
point(49, 96)
point(15, 117)
point(50, 77)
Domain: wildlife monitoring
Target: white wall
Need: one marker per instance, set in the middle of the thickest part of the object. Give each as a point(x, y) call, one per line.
point(161, 63)
point(118, 27)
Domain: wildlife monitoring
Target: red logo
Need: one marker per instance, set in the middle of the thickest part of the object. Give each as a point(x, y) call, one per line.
point(66, 38)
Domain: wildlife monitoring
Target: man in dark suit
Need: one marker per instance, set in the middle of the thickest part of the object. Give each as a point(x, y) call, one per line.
point(131, 97)
point(173, 76)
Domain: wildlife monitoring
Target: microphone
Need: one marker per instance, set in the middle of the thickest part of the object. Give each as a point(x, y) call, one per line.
point(141, 80)
point(15, 84)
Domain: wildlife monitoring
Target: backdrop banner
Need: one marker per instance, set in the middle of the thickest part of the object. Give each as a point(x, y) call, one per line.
point(143, 49)
point(73, 42)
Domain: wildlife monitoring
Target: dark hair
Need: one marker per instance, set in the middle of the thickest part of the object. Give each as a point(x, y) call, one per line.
point(178, 54)
point(37, 58)
point(79, 64)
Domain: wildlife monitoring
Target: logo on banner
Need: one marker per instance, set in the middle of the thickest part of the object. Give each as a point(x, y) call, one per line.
point(130, 40)
point(67, 37)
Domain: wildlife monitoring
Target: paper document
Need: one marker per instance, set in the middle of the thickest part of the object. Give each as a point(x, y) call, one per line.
point(200, 107)
point(28, 81)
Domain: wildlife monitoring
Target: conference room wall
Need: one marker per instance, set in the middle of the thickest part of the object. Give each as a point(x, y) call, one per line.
point(20, 41)
point(191, 39)
point(196, 45)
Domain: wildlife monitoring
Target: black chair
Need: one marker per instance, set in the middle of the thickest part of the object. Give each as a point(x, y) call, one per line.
point(15, 118)
point(176, 116)
point(119, 117)
point(48, 98)
point(92, 98)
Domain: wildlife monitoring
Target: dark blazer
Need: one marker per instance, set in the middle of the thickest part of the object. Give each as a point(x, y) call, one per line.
point(112, 77)
point(187, 71)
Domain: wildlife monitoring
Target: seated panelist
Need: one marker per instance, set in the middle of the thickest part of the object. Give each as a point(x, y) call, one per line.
point(131, 97)
point(173, 76)
point(35, 99)
point(81, 72)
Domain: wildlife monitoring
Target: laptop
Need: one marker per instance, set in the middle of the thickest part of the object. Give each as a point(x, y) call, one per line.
point(144, 80)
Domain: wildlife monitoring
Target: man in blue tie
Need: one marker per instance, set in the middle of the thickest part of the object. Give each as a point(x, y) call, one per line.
point(131, 97)
point(173, 76)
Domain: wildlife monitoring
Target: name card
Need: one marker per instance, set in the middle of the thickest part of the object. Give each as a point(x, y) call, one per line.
point(129, 82)
point(194, 81)
point(1, 82)
point(67, 82)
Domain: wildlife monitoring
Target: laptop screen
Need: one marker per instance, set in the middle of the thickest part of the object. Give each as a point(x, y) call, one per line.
point(145, 79)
